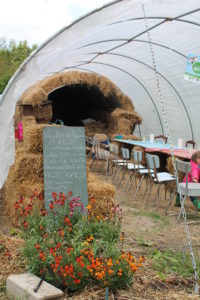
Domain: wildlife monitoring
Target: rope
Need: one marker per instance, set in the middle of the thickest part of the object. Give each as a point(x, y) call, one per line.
point(196, 277)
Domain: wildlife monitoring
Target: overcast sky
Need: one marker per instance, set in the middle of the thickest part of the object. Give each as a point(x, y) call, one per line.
point(37, 20)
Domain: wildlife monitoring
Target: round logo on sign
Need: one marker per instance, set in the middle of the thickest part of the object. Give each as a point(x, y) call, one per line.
point(196, 67)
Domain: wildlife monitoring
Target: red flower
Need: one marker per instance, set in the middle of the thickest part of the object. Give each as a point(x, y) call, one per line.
point(80, 274)
point(51, 206)
point(77, 281)
point(44, 212)
point(54, 195)
point(37, 246)
point(25, 224)
point(7, 253)
point(68, 250)
point(70, 193)
point(41, 196)
point(58, 245)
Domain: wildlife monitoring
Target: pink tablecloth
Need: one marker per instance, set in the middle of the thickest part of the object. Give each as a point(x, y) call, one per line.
point(178, 153)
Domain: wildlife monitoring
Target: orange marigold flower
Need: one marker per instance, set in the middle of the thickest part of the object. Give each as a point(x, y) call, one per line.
point(110, 272)
point(142, 258)
point(89, 207)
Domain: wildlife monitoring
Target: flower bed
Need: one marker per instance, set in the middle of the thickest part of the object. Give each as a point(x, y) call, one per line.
point(71, 249)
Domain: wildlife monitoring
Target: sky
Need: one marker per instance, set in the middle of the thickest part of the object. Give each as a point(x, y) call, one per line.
point(37, 20)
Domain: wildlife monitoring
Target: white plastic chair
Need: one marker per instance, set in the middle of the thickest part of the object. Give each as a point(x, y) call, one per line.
point(139, 171)
point(160, 178)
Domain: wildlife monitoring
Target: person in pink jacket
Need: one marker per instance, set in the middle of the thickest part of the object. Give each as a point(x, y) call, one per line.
point(194, 175)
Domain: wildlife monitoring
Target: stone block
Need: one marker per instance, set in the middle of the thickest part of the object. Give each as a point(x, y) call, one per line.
point(20, 287)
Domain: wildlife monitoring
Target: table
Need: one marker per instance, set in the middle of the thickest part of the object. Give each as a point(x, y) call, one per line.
point(158, 147)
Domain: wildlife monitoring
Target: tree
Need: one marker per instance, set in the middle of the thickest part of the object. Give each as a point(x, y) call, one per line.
point(12, 56)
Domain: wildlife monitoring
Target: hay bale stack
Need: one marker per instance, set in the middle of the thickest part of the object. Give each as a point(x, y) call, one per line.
point(95, 127)
point(27, 121)
point(41, 113)
point(104, 195)
point(123, 121)
point(33, 96)
point(28, 167)
point(37, 93)
point(131, 137)
point(33, 138)
point(170, 168)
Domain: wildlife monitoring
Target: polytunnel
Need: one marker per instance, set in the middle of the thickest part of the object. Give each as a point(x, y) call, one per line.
point(113, 41)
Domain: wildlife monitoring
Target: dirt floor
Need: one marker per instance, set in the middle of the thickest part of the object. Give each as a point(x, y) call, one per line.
point(149, 232)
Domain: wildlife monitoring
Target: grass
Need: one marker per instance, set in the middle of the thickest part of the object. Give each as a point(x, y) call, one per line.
point(169, 262)
point(153, 215)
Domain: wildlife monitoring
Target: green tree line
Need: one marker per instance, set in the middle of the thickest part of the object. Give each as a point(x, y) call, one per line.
point(12, 54)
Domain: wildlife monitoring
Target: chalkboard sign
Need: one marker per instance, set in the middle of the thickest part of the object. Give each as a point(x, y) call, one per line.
point(64, 155)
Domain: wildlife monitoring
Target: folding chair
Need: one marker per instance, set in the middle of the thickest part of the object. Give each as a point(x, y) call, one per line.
point(190, 143)
point(141, 171)
point(135, 170)
point(100, 157)
point(187, 189)
point(161, 137)
point(121, 166)
point(162, 179)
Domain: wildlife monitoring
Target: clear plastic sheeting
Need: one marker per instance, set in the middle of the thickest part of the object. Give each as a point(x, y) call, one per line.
point(112, 41)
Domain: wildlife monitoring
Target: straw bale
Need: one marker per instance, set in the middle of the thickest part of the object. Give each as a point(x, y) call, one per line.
point(103, 192)
point(119, 113)
point(28, 188)
point(27, 167)
point(125, 101)
point(39, 112)
point(28, 120)
point(33, 96)
point(13, 263)
point(26, 172)
point(170, 168)
point(131, 137)
point(52, 82)
point(122, 126)
point(33, 138)
point(101, 137)
point(18, 114)
point(37, 94)
point(96, 127)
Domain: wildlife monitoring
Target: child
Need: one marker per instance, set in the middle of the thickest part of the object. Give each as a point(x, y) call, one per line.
point(193, 176)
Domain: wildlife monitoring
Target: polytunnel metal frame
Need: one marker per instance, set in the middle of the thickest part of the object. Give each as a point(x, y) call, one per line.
point(190, 112)
point(164, 20)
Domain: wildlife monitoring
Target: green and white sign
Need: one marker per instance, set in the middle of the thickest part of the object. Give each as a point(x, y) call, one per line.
point(192, 72)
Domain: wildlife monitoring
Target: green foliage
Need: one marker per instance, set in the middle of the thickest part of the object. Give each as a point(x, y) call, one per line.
point(169, 261)
point(70, 250)
point(11, 57)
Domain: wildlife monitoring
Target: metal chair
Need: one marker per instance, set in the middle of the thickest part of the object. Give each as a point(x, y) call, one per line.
point(100, 158)
point(187, 189)
point(162, 179)
point(121, 166)
point(191, 142)
point(161, 137)
point(141, 172)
